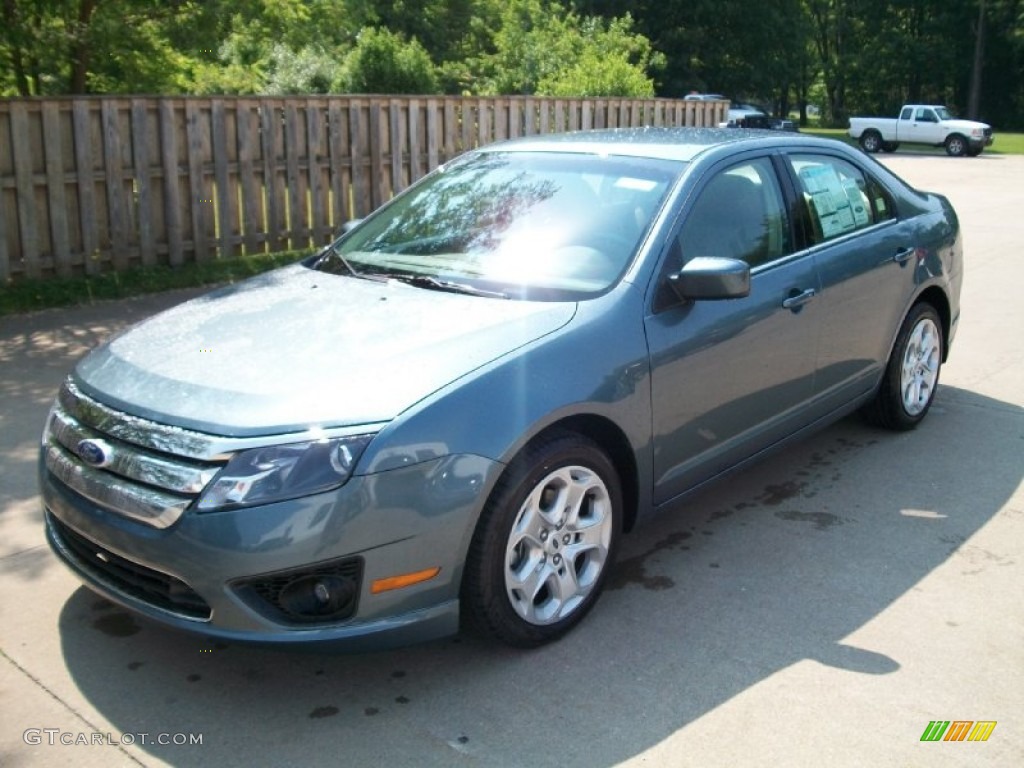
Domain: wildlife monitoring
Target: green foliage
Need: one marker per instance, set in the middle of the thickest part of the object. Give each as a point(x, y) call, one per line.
point(440, 26)
point(542, 49)
point(240, 66)
point(595, 75)
point(532, 42)
point(78, 46)
point(844, 56)
point(385, 62)
point(308, 70)
point(262, 53)
point(132, 59)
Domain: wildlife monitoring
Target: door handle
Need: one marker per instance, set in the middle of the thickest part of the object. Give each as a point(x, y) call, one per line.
point(797, 301)
point(903, 255)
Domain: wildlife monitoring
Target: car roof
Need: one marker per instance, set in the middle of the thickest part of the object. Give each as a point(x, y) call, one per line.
point(681, 144)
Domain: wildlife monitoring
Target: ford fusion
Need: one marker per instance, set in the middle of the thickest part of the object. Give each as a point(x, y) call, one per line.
point(457, 409)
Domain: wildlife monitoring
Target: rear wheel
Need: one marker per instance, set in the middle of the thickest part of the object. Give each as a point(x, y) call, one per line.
point(912, 373)
point(956, 145)
point(871, 141)
point(544, 544)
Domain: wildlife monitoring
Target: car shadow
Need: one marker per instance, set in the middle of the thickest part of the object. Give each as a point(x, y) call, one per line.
point(777, 566)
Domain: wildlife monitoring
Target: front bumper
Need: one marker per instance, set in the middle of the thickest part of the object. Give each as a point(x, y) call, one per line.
point(197, 574)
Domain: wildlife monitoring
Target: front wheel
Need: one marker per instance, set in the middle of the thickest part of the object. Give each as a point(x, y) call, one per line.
point(912, 373)
point(545, 542)
point(974, 151)
point(871, 141)
point(890, 146)
point(956, 146)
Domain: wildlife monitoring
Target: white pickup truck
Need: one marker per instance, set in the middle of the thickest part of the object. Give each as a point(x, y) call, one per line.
point(922, 124)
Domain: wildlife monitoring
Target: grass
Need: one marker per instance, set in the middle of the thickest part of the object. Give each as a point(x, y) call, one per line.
point(1008, 144)
point(29, 295)
point(1005, 143)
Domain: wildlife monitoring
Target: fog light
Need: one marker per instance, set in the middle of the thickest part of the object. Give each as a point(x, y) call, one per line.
point(317, 597)
point(321, 593)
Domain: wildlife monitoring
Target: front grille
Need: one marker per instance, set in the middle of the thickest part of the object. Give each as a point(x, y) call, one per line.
point(988, 132)
point(133, 467)
point(126, 577)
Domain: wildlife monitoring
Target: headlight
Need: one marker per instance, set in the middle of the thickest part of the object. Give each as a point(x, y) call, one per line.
point(279, 472)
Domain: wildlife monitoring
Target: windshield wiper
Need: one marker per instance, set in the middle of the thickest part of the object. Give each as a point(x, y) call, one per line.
point(437, 284)
point(330, 251)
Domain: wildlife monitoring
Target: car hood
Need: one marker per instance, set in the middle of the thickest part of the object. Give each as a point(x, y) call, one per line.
point(965, 125)
point(296, 348)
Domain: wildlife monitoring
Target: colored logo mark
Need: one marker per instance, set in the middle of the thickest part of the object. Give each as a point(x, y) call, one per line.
point(958, 730)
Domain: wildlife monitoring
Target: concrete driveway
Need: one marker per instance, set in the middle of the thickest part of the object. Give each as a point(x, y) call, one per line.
point(819, 609)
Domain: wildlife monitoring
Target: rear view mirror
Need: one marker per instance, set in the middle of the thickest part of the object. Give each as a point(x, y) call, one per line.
point(711, 277)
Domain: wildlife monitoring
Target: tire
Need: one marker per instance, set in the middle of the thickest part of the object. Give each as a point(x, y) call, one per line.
point(974, 151)
point(545, 542)
point(956, 145)
point(871, 141)
point(912, 373)
point(890, 146)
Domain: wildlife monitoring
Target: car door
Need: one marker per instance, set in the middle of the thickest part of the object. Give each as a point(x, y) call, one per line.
point(865, 258)
point(925, 127)
point(728, 376)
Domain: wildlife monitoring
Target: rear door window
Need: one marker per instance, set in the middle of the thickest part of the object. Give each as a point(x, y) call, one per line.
point(839, 198)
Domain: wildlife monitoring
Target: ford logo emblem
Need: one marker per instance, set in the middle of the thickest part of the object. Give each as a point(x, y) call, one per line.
point(95, 453)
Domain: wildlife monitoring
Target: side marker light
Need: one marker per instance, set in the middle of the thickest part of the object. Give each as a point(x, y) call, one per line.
point(404, 580)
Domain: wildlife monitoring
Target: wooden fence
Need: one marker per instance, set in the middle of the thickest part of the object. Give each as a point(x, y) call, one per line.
point(92, 184)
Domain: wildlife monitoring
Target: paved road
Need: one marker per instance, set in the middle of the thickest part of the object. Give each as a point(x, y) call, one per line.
point(818, 609)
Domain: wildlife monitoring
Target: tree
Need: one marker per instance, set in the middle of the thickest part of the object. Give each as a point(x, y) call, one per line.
point(545, 50)
point(385, 62)
point(439, 26)
point(264, 46)
point(847, 55)
point(1001, 99)
point(606, 63)
point(82, 46)
point(977, 63)
point(831, 35)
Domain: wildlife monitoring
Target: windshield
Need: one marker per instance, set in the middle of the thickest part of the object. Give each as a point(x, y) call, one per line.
point(539, 225)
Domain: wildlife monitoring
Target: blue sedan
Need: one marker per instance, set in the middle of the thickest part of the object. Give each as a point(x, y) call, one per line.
point(457, 409)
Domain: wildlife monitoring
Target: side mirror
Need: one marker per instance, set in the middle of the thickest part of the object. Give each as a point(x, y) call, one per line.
point(711, 277)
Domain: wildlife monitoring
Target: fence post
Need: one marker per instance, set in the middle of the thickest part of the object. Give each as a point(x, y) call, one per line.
point(56, 198)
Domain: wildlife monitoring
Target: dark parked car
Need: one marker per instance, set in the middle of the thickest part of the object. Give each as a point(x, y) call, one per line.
point(765, 122)
point(459, 407)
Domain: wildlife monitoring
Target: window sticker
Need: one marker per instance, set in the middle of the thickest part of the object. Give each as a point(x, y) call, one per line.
point(858, 202)
point(838, 204)
point(642, 185)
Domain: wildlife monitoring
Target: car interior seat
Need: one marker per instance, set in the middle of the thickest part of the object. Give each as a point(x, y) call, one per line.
point(728, 220)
